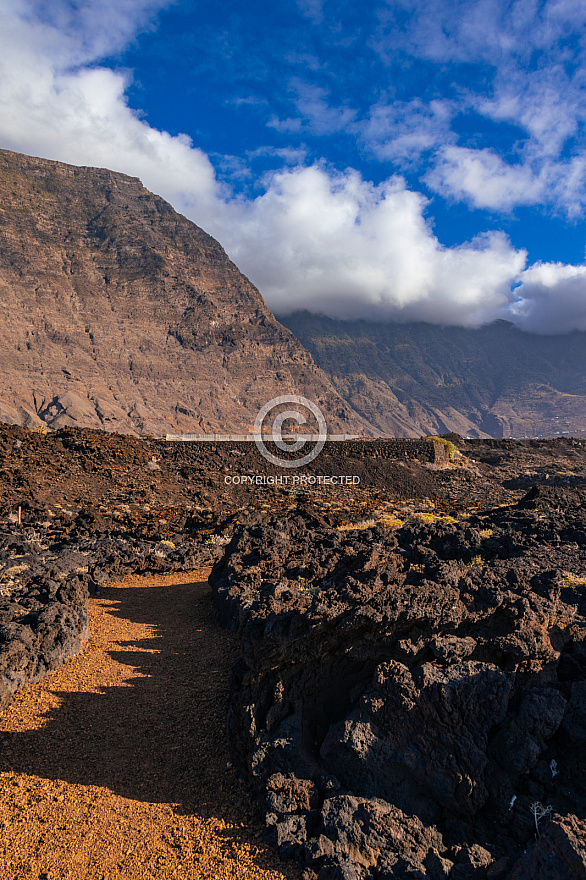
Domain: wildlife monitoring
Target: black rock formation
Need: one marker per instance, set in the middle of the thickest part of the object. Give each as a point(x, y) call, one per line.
point(407, 701)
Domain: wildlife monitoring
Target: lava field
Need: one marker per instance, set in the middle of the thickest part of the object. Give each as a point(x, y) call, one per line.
point(410, 699)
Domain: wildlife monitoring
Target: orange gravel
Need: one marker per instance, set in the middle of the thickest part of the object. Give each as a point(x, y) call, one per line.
point(116, 765)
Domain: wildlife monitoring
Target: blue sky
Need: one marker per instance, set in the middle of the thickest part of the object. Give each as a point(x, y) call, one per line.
point(385, 89)
point(396, 159)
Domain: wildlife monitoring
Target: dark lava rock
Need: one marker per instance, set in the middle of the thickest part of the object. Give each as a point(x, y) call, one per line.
point(404, 696)
point(560, 852)
point(40, 628)
point(423, 687)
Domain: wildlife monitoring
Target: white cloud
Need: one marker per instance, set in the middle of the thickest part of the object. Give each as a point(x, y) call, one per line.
point(75, 34)
point(80, 115)
point(401, 131)
point(316, 114)
point(548, 114)
point(312, 9)
point(526, 66)
point(314, 238)
point(551, 299)
point(339, 244)
point(482, 178)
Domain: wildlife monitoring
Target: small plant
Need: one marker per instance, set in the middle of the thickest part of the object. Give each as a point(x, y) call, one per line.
point(573, 580)
point(348, 526)
point(390, 522)
point(426, 517)
point(539, 811)
point(15, 569)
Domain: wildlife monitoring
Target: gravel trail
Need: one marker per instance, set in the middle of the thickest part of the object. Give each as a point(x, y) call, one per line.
point(116, 765)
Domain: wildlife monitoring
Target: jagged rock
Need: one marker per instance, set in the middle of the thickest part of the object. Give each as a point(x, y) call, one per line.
point(456, 643)
point(436, 667)
point(574, 721)
point(558, 854)
point(374, 837)
point(520, 743)
point(420, 737)
point(38, 633)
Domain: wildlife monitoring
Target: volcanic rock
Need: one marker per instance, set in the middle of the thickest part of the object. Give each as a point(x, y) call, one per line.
point(435, 670)
point(411, 684)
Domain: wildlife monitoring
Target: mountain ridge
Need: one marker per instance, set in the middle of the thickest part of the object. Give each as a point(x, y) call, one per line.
point(119, 313)
point(416, 378)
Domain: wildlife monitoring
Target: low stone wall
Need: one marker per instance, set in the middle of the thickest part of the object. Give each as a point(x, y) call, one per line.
point(430, 451)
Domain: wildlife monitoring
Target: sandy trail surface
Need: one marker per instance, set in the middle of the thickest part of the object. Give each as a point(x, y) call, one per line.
point(116, 765)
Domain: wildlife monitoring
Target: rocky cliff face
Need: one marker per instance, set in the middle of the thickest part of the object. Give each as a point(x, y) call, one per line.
point(413, 379)
point(117, 312)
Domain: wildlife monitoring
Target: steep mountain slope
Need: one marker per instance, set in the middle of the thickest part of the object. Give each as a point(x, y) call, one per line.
point(117, 312)
point(411, 379)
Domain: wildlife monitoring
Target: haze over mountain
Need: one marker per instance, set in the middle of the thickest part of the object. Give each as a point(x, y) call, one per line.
point(416, 378)
point(117, 312)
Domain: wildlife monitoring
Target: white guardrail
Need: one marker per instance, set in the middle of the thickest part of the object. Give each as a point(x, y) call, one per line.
point(224, 438)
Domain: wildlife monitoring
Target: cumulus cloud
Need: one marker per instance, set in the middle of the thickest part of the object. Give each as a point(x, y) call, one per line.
point(55, 106)
point(524, 64)
point(340, 244)
point(314, 238)
point(484, 179)
point(75, 34)
point(551, 299)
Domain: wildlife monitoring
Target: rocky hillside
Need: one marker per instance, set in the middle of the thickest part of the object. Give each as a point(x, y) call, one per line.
point(413, 379)
point(118, 313)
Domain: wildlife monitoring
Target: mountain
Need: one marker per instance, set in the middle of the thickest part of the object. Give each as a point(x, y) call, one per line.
point(119, 313)
point(417, 378)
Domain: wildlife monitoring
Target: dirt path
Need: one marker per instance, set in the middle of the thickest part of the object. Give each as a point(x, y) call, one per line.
point(116, 765)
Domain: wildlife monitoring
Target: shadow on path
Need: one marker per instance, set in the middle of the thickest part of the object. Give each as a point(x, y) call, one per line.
point(161, 737)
